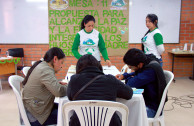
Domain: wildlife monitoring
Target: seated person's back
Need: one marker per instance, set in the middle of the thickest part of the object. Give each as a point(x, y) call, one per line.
point(106, 87)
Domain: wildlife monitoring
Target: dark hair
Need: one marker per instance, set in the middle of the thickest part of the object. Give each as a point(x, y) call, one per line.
point(86, 61)
point(134, 56)
point(154, 19)
point(86, 19)
point(48, 57)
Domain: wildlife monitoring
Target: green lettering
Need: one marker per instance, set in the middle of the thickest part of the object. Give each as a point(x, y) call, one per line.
point(123, 21)
point(109, 45)
point(115, 45)
point(52, 28)
point(121, 14)
point(75, 29)
point(52, 21)
point(106, 21)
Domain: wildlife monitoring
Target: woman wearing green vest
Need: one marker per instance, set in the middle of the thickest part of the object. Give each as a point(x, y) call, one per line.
point(89, 41)
point(153, 40)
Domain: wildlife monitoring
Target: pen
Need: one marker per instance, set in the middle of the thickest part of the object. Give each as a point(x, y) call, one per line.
point(67, 80)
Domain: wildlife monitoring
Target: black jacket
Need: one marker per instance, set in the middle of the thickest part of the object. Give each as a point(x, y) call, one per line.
point(106, 87)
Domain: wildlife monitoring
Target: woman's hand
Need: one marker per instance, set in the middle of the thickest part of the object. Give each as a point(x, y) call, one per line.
point(108, 63)
point(119, 76)
point(62, 83)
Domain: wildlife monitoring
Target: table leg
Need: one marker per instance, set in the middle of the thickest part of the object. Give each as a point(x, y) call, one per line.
point(173, 66)
point(15, 69)
point(192, 77)
point(0, 85)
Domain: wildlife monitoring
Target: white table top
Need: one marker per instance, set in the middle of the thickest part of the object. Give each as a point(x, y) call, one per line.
point(107, 70)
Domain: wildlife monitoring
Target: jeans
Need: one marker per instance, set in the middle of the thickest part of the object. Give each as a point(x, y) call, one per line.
point(52, 119)
point(150, 112)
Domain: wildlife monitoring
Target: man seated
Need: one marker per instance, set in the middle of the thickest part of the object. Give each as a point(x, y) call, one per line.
point(148, 75)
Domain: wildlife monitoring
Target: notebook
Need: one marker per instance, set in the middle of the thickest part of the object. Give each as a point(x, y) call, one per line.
point(137, 91)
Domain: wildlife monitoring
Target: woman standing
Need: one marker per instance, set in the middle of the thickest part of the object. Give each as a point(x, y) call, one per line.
point(41, 88)
point(153, 40)
point(89, 41)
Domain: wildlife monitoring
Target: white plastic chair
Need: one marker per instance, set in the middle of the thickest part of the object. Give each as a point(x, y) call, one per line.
point(25, 70)
point(84, 109)
point(160, 118)
point(125, 68)
point(14, 82)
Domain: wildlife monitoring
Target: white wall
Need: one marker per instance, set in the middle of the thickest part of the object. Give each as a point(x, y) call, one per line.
point(168, 12)
point(23, 21)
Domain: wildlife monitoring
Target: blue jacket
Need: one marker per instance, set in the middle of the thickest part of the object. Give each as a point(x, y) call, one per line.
point(150, 78)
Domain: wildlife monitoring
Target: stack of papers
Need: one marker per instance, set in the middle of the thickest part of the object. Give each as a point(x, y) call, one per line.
point(72, 69)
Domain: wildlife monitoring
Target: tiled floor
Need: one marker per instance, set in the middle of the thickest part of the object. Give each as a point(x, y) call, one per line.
point(177, 116)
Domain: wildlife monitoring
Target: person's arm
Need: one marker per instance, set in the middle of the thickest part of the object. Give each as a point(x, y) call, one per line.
point(69, 88)
point(75, 46)
point(123, 91)
point(102, 48)
point(52, 84)
point(142, 78)
point(126, 75)
point(159, 43)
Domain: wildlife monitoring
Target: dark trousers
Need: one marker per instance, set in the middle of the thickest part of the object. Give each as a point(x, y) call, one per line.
point(52, 119)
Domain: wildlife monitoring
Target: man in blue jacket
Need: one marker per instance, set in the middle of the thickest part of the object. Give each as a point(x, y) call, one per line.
point(148, 75)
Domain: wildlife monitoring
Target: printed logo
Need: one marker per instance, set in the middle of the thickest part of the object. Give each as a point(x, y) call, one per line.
point(118, 3)
point(89, 51)
point(144, 39)
point(123, 31)
point(58, 4)
point(88, 42)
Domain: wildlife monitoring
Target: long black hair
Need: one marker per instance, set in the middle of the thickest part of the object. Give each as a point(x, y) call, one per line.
point(48, 57)
point(86, 19)
point(154, 19)
point(86, 61)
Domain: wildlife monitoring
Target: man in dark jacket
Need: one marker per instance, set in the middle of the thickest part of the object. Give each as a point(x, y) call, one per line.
point(148, 75)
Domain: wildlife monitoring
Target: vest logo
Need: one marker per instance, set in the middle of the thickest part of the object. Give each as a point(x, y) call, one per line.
point(144, 39)
point(88, 42)
point(90, 51)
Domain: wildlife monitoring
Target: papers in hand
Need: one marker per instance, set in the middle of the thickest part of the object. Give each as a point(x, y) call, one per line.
point(66, 80)
point(72, 69)
point(137, 91)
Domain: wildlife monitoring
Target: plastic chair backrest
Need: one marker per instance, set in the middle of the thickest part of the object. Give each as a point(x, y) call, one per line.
point(95, 111)
point(15, 81)
point(169, 76)
point(125, 68)
point(25, 70)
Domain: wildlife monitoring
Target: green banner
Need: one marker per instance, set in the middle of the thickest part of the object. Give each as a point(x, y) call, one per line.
point(111, 16)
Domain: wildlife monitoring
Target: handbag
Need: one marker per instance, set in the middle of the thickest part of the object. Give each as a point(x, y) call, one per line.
point(86, 86)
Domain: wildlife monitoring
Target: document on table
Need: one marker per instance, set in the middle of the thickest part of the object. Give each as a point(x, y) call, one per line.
point(110, 70)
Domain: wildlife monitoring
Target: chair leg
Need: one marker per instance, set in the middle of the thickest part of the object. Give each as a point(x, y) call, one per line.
point(1, 86)
point(162, 121)
point(155, 123)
